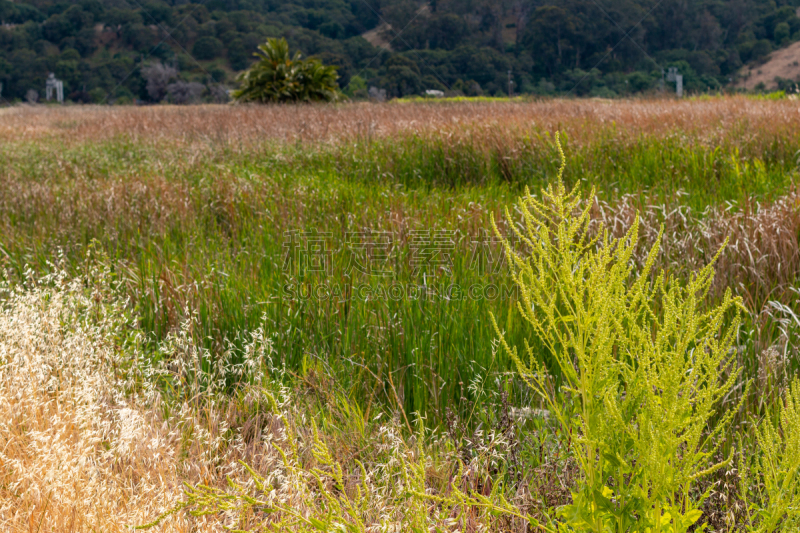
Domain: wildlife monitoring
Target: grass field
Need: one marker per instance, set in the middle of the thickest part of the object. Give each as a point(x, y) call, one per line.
point(342, 258)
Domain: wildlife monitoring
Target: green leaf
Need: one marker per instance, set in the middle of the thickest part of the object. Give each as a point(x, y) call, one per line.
point(319, 524)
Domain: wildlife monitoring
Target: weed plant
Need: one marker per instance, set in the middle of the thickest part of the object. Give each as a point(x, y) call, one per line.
point(643, 365)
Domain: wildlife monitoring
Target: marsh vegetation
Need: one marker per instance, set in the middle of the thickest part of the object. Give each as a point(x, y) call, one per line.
point(316, 318)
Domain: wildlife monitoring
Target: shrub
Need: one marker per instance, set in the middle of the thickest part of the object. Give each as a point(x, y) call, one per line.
point(98, 95)
point(183, 92)
point(237, 55)
point(357, 88)
point(307, 490)
point(218, 93)
point(642, 365)
point(158, 77)
point(206, 48)
point(782, 33)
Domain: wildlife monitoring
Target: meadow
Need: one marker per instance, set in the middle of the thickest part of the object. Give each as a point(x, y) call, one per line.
point(190, 287)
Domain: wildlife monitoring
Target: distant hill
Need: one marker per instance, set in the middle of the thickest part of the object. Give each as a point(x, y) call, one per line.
point(779, 70)
point(149, 50)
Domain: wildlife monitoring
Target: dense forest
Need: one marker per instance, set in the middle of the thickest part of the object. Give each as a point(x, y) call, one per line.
point(153, 50)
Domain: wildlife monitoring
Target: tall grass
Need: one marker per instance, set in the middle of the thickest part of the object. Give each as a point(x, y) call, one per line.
point(190, 207)
point(145, 359)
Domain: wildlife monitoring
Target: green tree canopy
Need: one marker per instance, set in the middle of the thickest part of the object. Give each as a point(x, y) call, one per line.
point(544, 43)
point(279, 77)
point(207, 47)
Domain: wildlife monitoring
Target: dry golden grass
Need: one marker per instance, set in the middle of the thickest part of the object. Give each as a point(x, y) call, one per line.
point(710, 120)
point(89, 443)
point(84, 443)
point(75, 456)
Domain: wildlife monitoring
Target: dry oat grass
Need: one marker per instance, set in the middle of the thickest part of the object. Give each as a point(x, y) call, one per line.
point(76, 454)
point(85, 444)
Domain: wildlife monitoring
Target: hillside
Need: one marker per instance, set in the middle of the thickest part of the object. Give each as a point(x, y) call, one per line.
point(120, 50)
point(780, 70)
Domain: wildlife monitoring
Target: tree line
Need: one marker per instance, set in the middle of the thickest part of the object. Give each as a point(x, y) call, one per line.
point(119, 51)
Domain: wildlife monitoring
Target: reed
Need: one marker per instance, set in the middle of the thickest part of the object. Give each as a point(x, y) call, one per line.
point(190, 208)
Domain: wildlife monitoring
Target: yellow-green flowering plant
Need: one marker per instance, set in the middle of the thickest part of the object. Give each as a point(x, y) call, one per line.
point(642, 361)
point(771, 478)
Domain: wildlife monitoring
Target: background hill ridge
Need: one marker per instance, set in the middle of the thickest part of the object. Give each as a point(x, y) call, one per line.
point(600, 48)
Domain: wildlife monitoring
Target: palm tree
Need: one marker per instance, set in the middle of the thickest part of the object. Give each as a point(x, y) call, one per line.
point(279, 77)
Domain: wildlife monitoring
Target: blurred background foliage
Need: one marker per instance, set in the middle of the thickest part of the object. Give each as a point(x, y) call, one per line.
point(604, 48)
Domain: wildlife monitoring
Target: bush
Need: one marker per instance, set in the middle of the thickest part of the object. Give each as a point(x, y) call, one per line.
point(640, 81)
point(772, 476)
point(218, 94)
point(98, 95)
point(357, 88)
point(237, 55)
point(761, 49)
point(158, 77)
point(182, 92)
point(642, 366)
point(207, 48)
point(782, 33)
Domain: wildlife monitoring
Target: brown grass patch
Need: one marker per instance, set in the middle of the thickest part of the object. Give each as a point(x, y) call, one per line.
point(709, 121)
